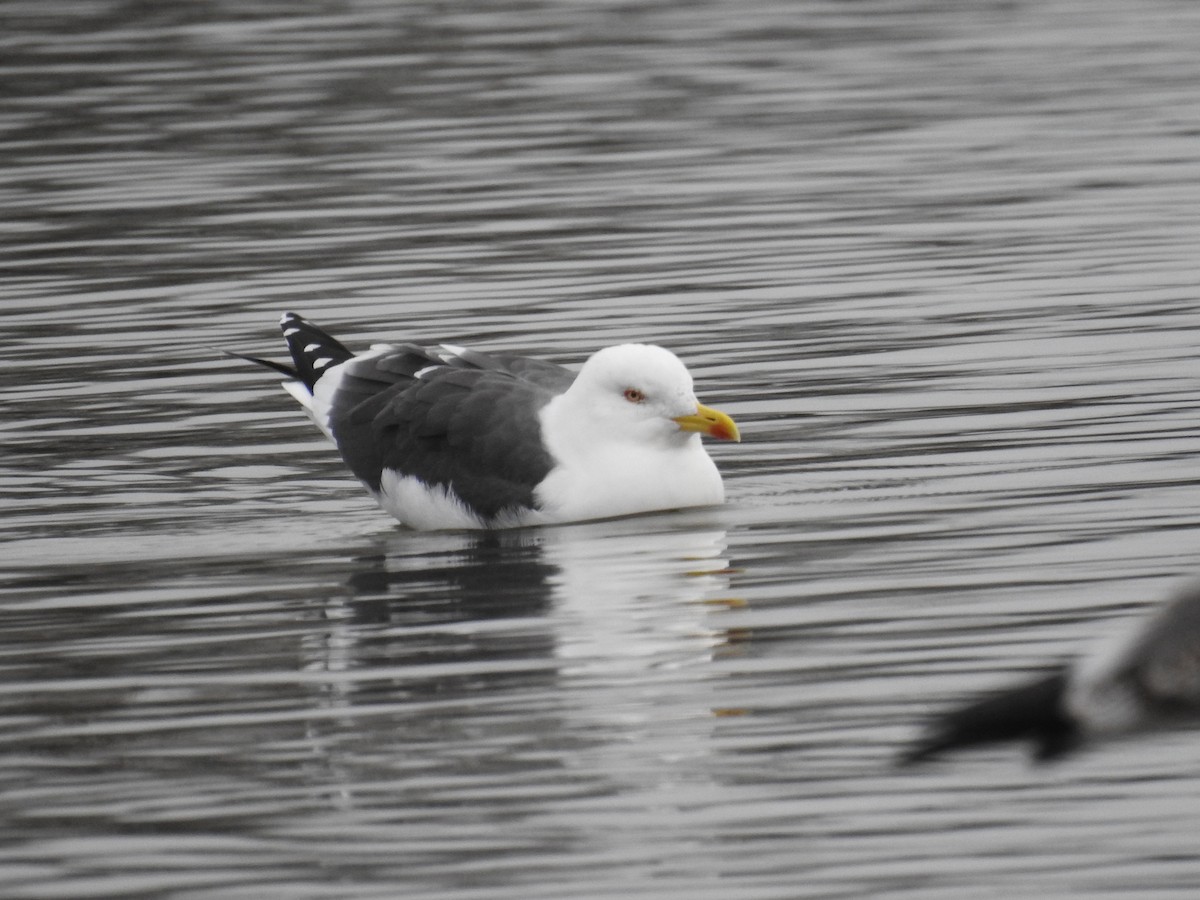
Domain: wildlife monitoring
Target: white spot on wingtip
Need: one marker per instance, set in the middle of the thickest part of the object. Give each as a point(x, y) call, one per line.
point(421, 373)
point(288, 332)
point(321, 363)
point(311, 348)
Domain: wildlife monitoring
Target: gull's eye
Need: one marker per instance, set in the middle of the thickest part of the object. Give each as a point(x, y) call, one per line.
point(633, 395)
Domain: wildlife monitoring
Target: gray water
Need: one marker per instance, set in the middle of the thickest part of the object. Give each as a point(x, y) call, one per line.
point(940, 262)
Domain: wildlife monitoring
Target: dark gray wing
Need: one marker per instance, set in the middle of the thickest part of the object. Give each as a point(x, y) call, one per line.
point(469, 423)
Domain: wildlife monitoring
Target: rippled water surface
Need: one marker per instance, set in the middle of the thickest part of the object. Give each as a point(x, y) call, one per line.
point(939, 260)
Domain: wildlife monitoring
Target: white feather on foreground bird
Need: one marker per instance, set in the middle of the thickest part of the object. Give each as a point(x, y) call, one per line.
point(457, 438)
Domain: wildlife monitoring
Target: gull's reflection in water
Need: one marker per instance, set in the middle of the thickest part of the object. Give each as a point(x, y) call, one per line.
point(629, 596)
point(424, 612)
point(635, 607)
point(614, 595)
point(476, 643)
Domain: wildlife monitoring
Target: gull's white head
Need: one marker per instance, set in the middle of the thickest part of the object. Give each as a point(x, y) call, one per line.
point(645, 393)
point(626, 438)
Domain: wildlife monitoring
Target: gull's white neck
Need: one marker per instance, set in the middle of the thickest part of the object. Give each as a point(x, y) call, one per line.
point(599, 475)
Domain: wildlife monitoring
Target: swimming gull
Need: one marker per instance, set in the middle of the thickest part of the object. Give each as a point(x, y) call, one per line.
point(458, 438)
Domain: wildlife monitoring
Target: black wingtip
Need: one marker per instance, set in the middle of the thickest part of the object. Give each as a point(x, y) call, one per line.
point(269, 363)
point(1032, 711)
point(313, 350)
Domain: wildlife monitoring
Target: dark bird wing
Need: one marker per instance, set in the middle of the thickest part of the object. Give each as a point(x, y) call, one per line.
point(457, 424)
point(1032, 711)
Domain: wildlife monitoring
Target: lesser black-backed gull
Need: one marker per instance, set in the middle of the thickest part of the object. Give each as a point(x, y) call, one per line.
point(457, 438)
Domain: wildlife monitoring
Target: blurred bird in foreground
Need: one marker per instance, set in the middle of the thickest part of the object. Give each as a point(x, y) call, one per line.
point(1145, 675)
